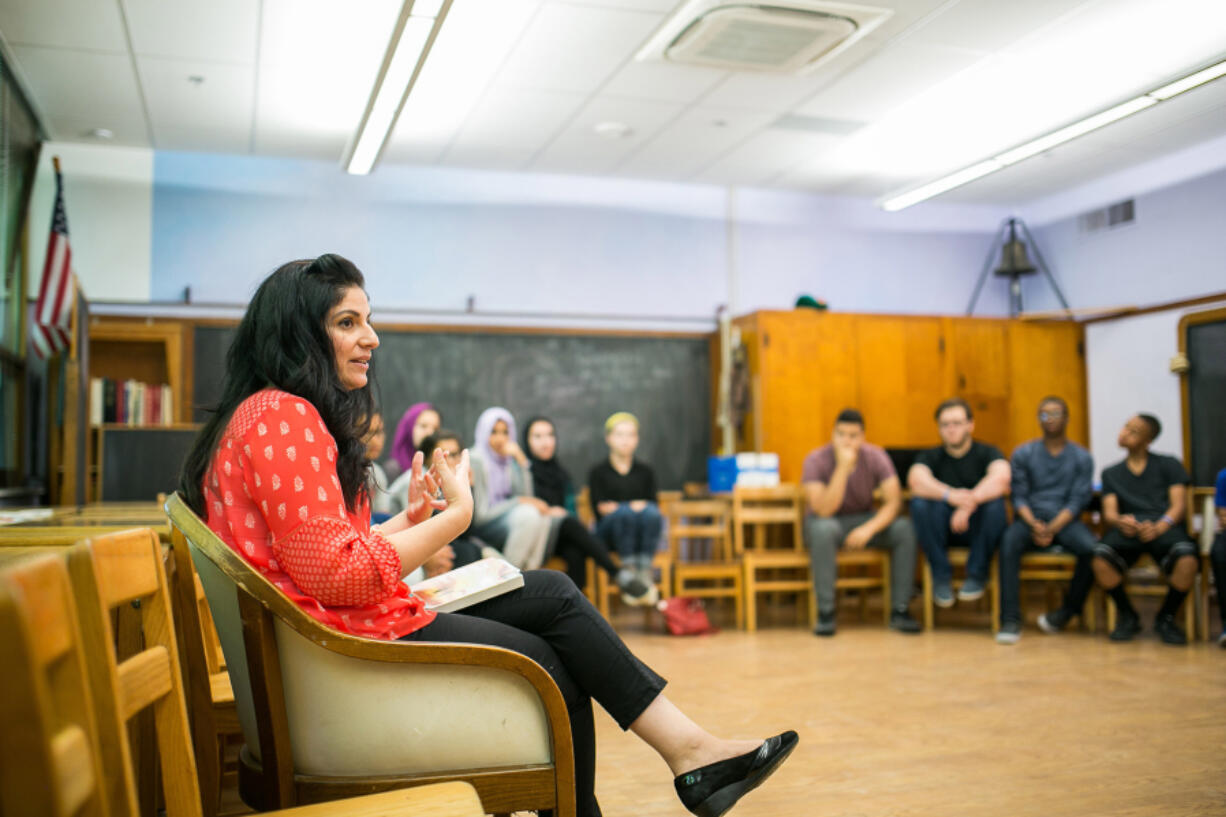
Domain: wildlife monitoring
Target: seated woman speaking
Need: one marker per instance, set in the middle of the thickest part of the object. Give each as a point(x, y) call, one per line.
point(280, 474)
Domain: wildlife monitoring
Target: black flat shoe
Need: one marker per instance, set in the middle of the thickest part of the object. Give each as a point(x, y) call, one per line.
point(711, 790)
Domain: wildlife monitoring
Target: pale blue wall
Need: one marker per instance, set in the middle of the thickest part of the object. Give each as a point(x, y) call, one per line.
point(553, 245)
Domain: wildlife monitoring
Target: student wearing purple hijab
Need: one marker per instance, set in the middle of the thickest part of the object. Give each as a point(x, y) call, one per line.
point(420, 421)
point(506, 514)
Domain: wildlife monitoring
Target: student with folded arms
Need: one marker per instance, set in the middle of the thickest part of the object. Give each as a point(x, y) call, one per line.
point(280, 474)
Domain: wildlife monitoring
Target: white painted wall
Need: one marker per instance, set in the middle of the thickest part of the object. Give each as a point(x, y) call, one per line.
point(1128, 371)
point(108, 197)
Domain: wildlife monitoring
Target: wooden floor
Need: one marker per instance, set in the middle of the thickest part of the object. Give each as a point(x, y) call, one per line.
point(941, 724)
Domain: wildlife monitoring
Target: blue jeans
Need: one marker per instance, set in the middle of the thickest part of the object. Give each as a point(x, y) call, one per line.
point(634, 535)
point(1074, 538)
point(931, 519)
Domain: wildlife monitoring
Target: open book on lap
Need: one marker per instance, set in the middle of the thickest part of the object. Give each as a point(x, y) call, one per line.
point(467, 585)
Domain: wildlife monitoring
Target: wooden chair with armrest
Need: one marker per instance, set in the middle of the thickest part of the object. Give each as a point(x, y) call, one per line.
point(425, 712)
point(779, 568)
point(65, 749)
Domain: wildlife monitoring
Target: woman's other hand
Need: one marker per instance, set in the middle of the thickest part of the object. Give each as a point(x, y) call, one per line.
point(423, 489)
point(442, 561)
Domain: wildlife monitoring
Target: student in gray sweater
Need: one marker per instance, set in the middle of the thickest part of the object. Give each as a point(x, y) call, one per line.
point(1052, 484)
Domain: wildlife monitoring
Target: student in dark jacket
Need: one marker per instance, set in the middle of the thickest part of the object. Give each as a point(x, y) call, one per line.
point(573, 542)
point(1143, 507)
point(623, 495)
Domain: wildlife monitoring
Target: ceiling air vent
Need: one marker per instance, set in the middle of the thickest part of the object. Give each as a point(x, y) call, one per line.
point(784, 37)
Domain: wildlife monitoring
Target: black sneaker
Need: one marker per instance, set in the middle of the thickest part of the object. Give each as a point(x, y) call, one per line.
point(902, 621)
point(634, 592)
point(1127, 625)
point(1169, 631)
point(1054, 621)
point(825, 624)
point(1221, 639)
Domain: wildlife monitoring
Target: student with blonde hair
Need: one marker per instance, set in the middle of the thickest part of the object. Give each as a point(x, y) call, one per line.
point(623, 496)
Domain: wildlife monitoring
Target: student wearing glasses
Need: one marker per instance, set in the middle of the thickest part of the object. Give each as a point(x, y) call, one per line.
point(957, 491)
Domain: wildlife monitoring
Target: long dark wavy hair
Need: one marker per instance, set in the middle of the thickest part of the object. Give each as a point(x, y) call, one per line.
point(283, 342)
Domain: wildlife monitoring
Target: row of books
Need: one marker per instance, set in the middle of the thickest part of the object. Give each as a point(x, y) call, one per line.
point(130, 402)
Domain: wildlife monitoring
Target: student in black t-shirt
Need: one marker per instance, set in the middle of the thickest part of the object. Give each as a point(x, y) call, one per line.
point(957, 491)
point(622, 490)
point(1143, 506)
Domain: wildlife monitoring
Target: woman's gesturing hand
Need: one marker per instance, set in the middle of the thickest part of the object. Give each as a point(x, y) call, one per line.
point(423, 490)
point(453, 480)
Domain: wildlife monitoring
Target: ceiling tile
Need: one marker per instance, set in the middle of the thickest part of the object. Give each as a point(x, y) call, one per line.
point(762, 157)
point(988, 25)
point(300, 31)
point(575, 48)
point(223, 30)
point(93, 24)
point(515, 119)
point(222, 101)
point(886, 80)
point(762, 92)
point(663, 81)
point(204, 139)
point(82, 86)
point(580, 149)
point(692, 141)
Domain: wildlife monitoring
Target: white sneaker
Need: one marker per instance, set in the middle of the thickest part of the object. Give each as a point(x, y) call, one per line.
point(1009, 634)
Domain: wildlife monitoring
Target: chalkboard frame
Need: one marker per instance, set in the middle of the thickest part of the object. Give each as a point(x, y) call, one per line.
point(690, 358)
point(1202, 468)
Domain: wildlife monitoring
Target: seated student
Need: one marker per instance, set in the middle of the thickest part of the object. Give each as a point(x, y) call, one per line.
point(574, 543)
point(505, 513)
point(1217, 556)
point(623, 495)
point(839, 479)
point(380, 500)
point(419, 421)
point(293, 414)
point(1143, 506)
point(957, 489)
point(1052, 483)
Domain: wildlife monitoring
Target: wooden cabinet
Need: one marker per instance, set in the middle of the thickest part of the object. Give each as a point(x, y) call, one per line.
point(806, 366)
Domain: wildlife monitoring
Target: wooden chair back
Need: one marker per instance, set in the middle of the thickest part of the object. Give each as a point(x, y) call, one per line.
point(210, 698)
point(259, 626)
point(762, 506)
point(49, 758)
point(107, 572)
point(698, 521)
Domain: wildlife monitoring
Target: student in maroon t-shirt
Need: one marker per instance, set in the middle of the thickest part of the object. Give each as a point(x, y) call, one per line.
point(839, 480)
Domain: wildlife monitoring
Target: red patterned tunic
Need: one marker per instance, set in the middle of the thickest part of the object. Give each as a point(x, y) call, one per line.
point(273, 495)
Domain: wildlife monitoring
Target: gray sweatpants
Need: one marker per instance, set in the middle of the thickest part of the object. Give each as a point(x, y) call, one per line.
point(824, 536)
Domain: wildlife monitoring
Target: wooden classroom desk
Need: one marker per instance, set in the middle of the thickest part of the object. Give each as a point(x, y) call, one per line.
point(70, 523)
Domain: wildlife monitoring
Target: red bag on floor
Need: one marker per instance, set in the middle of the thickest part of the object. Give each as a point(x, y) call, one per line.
point(684, 615)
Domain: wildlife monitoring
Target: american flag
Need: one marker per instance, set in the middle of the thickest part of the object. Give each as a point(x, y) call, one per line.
point(52, 324)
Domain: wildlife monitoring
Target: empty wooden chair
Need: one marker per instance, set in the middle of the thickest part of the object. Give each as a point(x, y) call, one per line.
point(423, 712)
point(59, 727)
point(781, 566)
point(700, 541)
point(210, 697)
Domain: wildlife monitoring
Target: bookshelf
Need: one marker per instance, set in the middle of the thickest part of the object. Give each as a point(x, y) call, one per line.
point(146, 350)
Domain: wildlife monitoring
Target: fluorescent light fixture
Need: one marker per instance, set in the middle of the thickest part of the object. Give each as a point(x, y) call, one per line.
point(1189, 82)
point(1067, 134)
point(941, 185)
point(426, 8)
point(1048, 141)
point(410, 40)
